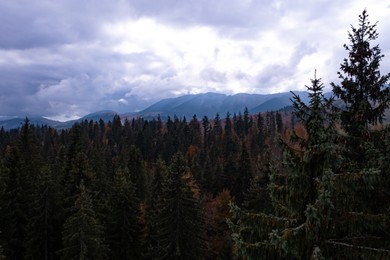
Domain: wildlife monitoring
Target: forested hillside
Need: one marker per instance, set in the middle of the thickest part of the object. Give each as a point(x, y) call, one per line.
point(312, 184)
point(126, 191)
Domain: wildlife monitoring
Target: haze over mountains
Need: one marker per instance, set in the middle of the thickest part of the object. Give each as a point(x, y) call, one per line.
point(207, 104)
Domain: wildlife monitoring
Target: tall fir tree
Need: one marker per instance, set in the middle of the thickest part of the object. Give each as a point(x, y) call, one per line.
point(155, 200)
point(3, 203)
point(364, 91)
point(361, 204)
point(179, 220)
point(245, 175)
point(22, 165)
point(123, 230)
point(83, 235)
point(300, 196)
point(43, 232)
point(135, 164)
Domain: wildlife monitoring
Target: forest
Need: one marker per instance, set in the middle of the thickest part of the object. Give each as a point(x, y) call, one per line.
point(306, 182)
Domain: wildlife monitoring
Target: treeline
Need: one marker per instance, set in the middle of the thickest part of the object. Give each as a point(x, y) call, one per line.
point(133, 189)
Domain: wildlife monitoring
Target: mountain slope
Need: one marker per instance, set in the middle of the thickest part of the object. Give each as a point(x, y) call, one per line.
point(17, 122)
point(39, 121)
point(207, 104)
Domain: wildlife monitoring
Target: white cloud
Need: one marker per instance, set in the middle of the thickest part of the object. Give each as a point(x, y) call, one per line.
point(70, 58)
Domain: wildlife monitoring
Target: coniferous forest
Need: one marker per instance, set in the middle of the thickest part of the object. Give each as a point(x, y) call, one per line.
point(309, 182)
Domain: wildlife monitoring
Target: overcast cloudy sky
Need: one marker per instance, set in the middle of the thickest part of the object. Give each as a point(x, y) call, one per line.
point(66, 58)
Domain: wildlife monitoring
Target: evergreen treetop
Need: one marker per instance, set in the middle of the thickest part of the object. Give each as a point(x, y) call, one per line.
point(364, 90)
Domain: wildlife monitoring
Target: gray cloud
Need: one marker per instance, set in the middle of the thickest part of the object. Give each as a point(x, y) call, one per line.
point(66, 58)
point(49, 23)
point(210, 74)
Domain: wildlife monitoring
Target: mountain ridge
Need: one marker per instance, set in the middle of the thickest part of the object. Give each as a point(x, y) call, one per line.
point(204, 104)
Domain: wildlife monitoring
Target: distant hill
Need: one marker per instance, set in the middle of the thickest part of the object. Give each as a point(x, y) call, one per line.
point(105, 115)
point(39, 121)
point(17, 122)
point(207, 104)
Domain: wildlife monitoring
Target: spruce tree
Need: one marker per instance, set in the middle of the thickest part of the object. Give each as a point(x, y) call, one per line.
point(83, 236)
point(364, 91)
point(123, 230)
point(135, 164)
point(3, 203)
point(362, 182)
point(245, 175)
point(300, 195)
point(179, 221)
point(153, 208)
point(43, 237)
point(256, 197)
point(22, 163)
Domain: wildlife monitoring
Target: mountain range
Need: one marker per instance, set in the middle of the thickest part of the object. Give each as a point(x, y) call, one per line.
point(206, 104)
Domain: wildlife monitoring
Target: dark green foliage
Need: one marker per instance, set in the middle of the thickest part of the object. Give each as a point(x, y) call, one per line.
point(153, 207)
point(22, 164)
point(42, 169)
point(123, 230)
point(137, 171)
point(279, 122)
point(256, 197)
point(300, 197)
point(258, 139)
point(83, 236)
point(43, 237)
point(245, 174)
point(206, 134)
point(361, 180)
point(363, 89)
point(179, 222)
point(3, 203)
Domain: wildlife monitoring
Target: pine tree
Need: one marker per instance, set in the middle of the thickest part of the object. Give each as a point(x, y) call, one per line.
point(247, 121)
point(361, 179)
point(43, 235)
point(256, 197)
point(77, 167)
point(218, 239)
point(3, 203)
point(83, 236)
point(179, 221)
point(195, 133)
point(135, 164)
point(300, 197)
point(279, 122)
point(363, 89)
point(22, 163)
point(258, 139)
point(206, 134)
point(153, 206)
point(123, 229)
point(245, 174)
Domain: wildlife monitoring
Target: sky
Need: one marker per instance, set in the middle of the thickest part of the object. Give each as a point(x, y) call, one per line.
point(64, 59)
